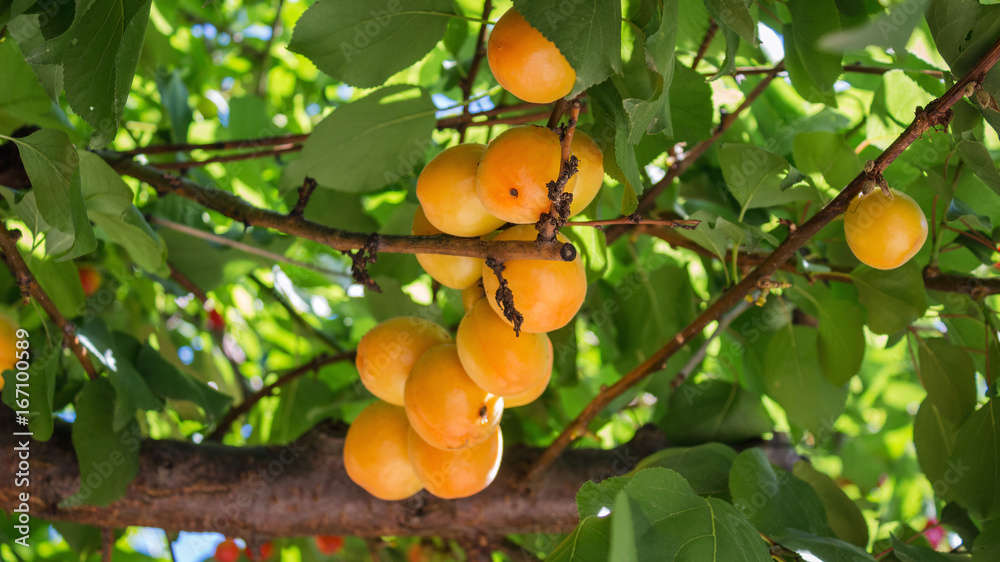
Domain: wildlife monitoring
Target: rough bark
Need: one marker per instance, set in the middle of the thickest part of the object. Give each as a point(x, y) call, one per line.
point(302, 489)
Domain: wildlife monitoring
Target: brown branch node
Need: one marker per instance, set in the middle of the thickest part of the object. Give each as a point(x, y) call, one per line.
point(360, 260)
point(504, 296)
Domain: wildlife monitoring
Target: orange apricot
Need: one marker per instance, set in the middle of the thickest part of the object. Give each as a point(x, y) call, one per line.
point(589, 173)
point(388, 351)
point(528, 396)
point(527, 64)
point(457, 272)
point(456, 474)
point(472, 293)
point(497, 359)
point(547, 293)
point(445, 406)
point(446, 189)
point(885, 233)
point(8, 344)
point(514, 172)
point(376, 453)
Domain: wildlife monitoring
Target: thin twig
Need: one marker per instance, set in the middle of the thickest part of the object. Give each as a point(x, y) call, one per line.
point(30, 288)
point(854, 67)
point(218, 145)
point(294, 314)
point(699, 355)
point(245, 406)
point(685, 224)
point(470, 79)
point(305, 192)
point(185, 282)
point(275, 151)
point(713, 27)
point(936, 114)
point(198, 233)
point(265, 54)
point(107, 544)
point(238, 209)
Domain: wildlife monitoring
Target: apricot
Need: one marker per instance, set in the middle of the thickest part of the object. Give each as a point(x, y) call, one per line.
point(547, 293)
point(446, 189)
point(528, 396)
point(527, 64)
point(388, 351)
point(90, 279)
point(8, 344)
point(445, 406)
point(456, 474)
point(472, 293)
point(589, 173)
point(497, 359)
point(227, 551)
point(514, 172)
point(885, 233)
point(329, 544)
point(457, 272)
point(376, 453)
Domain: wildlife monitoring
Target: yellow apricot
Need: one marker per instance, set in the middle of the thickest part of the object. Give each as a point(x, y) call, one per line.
point(445, 406)
point(446, 189)
point(547, 293)
point(528, 396)
point(885, 233)
point(527, 64)
point(388, 351)
point(457, 272)
point(8, 341)
point(590, 171)
point(456, 474)
point(498, 360)
point(514, 172)
point(376, 453)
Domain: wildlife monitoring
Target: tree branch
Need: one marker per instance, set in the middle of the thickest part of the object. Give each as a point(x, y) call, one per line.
point(713, 28)
point(264, 153)
point(239, 210)
point(937, 113)
point(470, 78)
point(253, 399)
point(30, 288)
point(302, 489)
point(854, 67)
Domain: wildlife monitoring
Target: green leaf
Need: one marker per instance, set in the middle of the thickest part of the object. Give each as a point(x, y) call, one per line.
point(60, 281)
point(842, 514)
point(793, 378)
point(841, 345)
point(827, 549)
point(890, 29)
point(773, 499)
point(608, 100)
point(589, 542)
point(732, 48)
point(914, 553)
point(23, 100)
point(389, 130)
point(959, 210)
point(671, 522)
point(51, 162)
point(903, 96)
point(755, 177)
point(83, 539)
point(828, 154)
point(987, 545)
point(714, 410)
point(98, 70)
point(587, 33)
point(595, 496)
point(736, 15)
point(108, 458)
point(975, 462)
point(623, 533)
point(716, 238)
point(978, 159)
point(174, 97)
point(359, 42)
point(934, 439)
point(706, 467)
point(303, 404)
point(963, 30)
point(893, 298)
point(812, 70)
point(660, 45)
point(949, 376)
point(167, 381)
point(691, 110)
point(109, 206)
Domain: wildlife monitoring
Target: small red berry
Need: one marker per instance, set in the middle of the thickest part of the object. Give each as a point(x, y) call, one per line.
point(215, 321)
point(227, 551)
point(266, 550)
point(329, 544)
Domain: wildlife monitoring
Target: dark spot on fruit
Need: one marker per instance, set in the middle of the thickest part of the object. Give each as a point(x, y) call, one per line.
point(513, 192)
point(482, 411)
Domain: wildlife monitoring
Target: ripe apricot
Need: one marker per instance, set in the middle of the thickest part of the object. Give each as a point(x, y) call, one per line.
point(513, 173)
point(885, 233)
point(446, 189)
point(329, 544)
point(456, 474)
point(457, 272)
point(472, 293)
point(90, 279)
point(527, 64)
point(589, 173)
point(497, 359)
point(547, 293)
point(375, 453)
point(528, 396)
point(388, 351)
point(445, 406)
point(227, 551)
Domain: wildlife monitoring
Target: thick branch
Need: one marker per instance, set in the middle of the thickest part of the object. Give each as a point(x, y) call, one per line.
point(31, 289)
point(302, 489)
point(239, 210)
point(936, 114)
